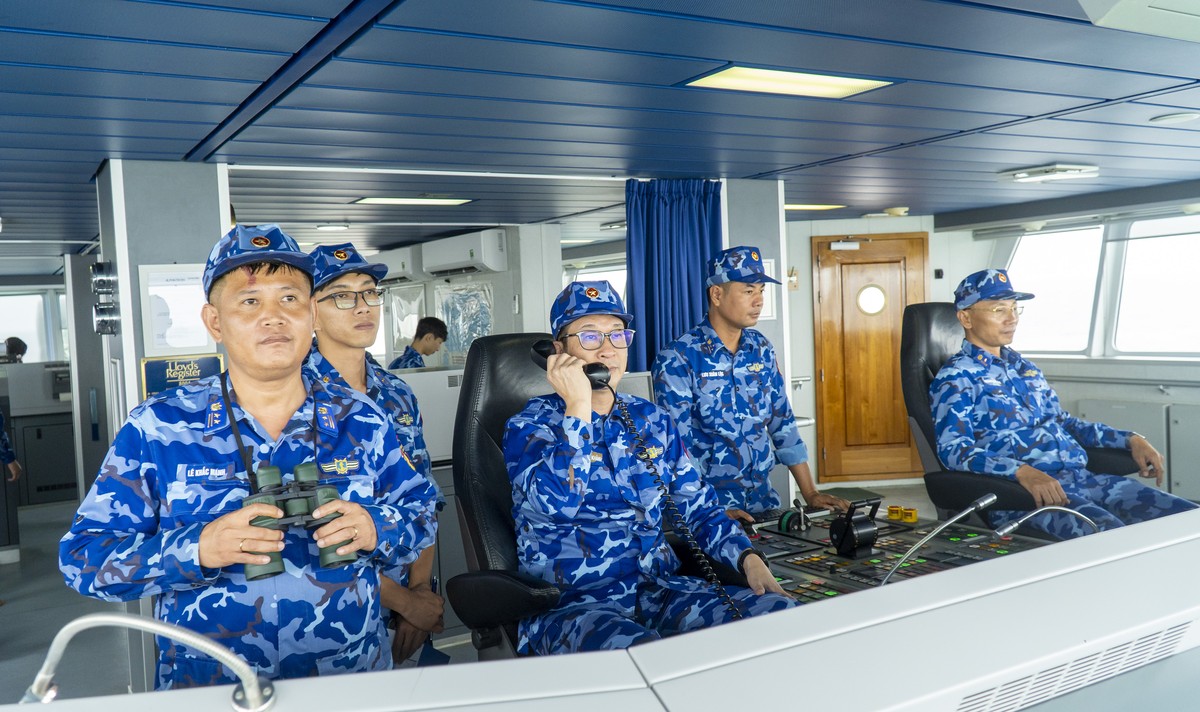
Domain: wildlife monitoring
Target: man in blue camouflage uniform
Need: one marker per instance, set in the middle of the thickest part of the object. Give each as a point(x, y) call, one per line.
point(165, 516)
point(346, 313)
point(430, 335)
point(721, 383)
point(589, 514)
point(994, 413)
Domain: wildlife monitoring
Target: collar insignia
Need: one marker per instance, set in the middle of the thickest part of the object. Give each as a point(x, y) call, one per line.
point(341, 466)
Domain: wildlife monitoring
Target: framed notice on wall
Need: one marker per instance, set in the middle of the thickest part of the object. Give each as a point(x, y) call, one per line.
point(171, 299)
point(164, 373)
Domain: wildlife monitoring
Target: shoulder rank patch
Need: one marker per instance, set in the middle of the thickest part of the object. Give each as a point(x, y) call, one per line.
point(215, 416)
point(1030, 373)
point(654, 452)
point(325, 421)
point(340, 466)
point(405, 419)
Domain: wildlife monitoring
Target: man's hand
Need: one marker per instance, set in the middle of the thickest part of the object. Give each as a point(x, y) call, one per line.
point(355, 527)
point(15, 470)
point(1045, 489)
point(566, 376)
point(826, 501)
point(1149, 461)
point(421, 612)
point(232, 539)
point(759, 576)
point(739, 515)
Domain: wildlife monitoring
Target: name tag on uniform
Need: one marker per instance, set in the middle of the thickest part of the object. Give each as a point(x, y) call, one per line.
point(204, 473)
point(713, 374)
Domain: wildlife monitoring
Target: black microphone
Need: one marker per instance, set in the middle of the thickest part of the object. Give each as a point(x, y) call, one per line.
point(983, 502)
point(1011, 527)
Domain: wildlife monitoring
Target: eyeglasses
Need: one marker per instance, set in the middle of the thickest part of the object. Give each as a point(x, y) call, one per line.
point(349, 300)
point(591, 340)
point(1001, 311)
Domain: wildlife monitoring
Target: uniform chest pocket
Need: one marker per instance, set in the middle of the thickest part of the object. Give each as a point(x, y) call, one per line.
point(202, 500)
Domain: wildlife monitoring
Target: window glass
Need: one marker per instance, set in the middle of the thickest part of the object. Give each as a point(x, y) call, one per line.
point(64, 340)
point(613, 274)
point(24, 318)
point(1061, 269)
point(1157, 290)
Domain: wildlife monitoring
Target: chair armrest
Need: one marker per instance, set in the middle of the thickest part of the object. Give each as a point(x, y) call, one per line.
point(957, 490)
point(486, 599)
point(1110, 461)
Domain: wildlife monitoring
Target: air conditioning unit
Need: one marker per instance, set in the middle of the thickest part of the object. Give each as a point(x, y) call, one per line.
point(1179, 19)
point(483, 251)
point(404, 264)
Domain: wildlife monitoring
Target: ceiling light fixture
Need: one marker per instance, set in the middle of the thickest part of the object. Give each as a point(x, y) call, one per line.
point(773, 81)
point(412, 201)
point(1178, 118)
point(578, 241)
point(333, 227)
point(618, 225)
point(1053, 171)
point(810, 206)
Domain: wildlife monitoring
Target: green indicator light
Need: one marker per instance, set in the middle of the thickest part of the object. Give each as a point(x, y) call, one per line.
point(832, 593)
point(971, 535)
point(955, 538)
point(1001, 551)
point(920, 561)
point(875, 561)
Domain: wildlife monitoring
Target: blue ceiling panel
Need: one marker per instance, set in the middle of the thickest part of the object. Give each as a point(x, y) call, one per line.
point(501, 56)
point(116, 55)
point(524, 120)
point(102, 109)
point(584, 97)
point(1076, 150)
point(128, 85)
point(781, 48)
point(529, 139)
point(163, 23)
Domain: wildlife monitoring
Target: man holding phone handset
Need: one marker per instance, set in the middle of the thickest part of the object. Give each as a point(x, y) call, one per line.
point(586, 466)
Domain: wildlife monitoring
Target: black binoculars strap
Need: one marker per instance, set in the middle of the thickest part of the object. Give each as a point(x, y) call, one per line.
point(237, 434)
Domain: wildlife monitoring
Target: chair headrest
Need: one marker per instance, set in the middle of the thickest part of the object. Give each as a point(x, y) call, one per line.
point(929, 336)
point(502, 378)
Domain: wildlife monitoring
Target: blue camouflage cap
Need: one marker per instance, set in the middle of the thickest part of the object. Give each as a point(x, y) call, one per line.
point(738, 264)
point(245, 245)
point(986, 285)
point(330, 262)
point(583, 298)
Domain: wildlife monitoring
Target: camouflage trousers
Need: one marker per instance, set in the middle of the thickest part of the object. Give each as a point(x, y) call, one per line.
point(687, 604)
point(1110, 501)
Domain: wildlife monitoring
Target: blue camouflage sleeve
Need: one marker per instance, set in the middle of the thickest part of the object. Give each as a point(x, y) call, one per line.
point(785, 433)
point(404, 511)
point(115, 549)
point(953, 402)
point(673, 389)
point(721, 537)
point(542, 450)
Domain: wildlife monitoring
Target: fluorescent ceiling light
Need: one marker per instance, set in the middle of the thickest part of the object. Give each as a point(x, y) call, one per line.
point(618, 225)
point(773, 81)
point(333, 227)
point(412, 201)
point(810, 206)
point(1054, 171)
point(422, 172)
point(579, 241)
point(1179, 118)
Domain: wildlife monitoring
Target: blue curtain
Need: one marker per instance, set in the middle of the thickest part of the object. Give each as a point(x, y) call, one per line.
point(673, 228)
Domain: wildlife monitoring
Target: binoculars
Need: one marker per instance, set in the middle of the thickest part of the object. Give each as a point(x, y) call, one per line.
point(297, 499)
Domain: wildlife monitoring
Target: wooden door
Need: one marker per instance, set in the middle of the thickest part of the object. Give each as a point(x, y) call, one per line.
point(859, 300)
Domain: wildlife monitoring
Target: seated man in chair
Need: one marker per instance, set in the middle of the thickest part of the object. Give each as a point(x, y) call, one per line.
point(994, 413)
point(596, 477)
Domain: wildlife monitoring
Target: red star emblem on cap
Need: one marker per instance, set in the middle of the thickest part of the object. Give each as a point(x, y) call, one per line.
point(1002, 278)
point(592, 292)
point(340, 254)
point(260, 241)
point(753, 255)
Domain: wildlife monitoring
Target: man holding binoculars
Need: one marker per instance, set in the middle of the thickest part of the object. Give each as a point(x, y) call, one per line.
point(289, 580)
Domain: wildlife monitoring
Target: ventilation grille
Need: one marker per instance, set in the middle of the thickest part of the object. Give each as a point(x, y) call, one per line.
point(1059, 680)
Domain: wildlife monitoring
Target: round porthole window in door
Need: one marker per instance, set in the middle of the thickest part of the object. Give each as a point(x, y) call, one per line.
point(871, 299)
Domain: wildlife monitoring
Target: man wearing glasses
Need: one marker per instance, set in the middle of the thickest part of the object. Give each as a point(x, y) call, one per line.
point(994, 413)
point(590, 513)
point(721, 383)
point(346, 312)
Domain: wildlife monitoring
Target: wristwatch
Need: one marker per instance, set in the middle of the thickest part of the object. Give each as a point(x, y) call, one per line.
point(751, 552)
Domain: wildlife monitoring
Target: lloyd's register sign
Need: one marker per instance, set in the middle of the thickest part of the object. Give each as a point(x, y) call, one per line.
point(160, 374)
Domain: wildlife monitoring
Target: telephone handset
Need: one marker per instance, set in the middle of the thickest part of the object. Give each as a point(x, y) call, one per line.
point(597, 373)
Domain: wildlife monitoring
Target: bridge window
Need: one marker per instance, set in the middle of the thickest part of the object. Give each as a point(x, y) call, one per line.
point(1061, 268)
point(1158, 287)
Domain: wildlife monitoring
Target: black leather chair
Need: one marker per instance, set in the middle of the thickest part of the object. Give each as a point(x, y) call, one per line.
point(930, 335)
point(499, 378)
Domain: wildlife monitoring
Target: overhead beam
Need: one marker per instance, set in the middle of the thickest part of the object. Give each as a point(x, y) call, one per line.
point(358, 17)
